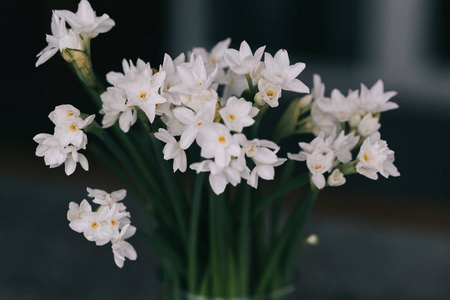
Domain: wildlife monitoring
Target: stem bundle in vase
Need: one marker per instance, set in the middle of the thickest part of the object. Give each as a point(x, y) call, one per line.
point(215, 232)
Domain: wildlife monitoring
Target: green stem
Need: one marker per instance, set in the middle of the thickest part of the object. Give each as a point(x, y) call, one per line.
point(280, 191)
point(243, 243)
point(193, 233)
point(294, 224)
point(216, 244)
point(250, 84)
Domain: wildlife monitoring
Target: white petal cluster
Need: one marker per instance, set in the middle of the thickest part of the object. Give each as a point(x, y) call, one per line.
point(62, 147)
point(85, 20)
point(84, 25)
point(360, 109)
point(110, 222)
point(323, 155)
point(375, 157)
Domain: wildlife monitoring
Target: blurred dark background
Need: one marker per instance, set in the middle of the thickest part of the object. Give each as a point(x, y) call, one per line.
point(387, 239)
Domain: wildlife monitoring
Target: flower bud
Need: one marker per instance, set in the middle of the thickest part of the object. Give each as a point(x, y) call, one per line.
point(259, 99)
point(81, 64)
point(368, 125)
point(306, 100)
point(336, 178)
point(312, 240)
point(354, 120)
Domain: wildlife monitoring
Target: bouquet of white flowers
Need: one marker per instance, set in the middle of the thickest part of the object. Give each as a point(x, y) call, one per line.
point(221, 237)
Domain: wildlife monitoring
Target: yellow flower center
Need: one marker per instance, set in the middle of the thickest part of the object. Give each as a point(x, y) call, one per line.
point(94, 224)
point(73, 127)
point(232, 117)
point(317, 167)
point(366, 158)
point(113, 223)
point(143, 95)
point(221, 139)
point(70, 114)
point(270, 94)
point(199, 123)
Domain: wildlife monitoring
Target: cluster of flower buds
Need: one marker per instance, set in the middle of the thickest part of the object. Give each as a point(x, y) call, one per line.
point(342, 124)
point(84, 25)
point(109, 223)
point(68, 138)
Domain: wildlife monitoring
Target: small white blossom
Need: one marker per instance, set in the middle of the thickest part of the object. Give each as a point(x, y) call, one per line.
point(323, 121)
point(62, 112)
point(195, 78)
point(368, 125)
point(318, 144)
point(143, 92)
point(115, 108)
point(375, 156)
point(70, 131)
point(172, 79)
point(336, 178)
point(121, 248)
point(268, 92)
point(342, 145)
point(338, 105)
point(214, 59)
point(172, 150)
point(235, 85)
point(216, 142)
point(238, 113)
point(375, 99)
point(279, 71)
point(319, 163)
point(75, 210)
point(60, 39)
point(103, 198)
point(85, 21)
point(243, 62)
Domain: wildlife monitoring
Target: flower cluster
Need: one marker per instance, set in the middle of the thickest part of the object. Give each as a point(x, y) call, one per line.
point(84, 25)
point(109, 223)
point(67, 139)
point(357, 113)
point(184, 95)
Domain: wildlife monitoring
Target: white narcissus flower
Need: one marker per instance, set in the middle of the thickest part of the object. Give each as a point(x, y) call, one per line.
point(70, 131)
point(368, 125)
point(238, 113)
point(143, 92)
point(214, 59)
point(322, 121)
point(85, 21)
point(375, 99)
point(194, 121)
point(375, 156)
point(216, 142)
point(235, 86)
point(342, 145)
point(60, 39)
point(172, 150)
point(318, 90)
point(114, 108)
point(336, 178)
point(219, 176)
point(243, 62)
point(200, 100)
point(103, 198)
point(319, 163)
point(194, 77)
point(279, 71)
point(318, 144)
point(62, 112)
point(50, 149)
point(263, 154)
point(267, 93)
point(172, 79)
point(75, 211)
point(73, 157)
point(338, 105)
point(93, 225)
point(121, 248)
